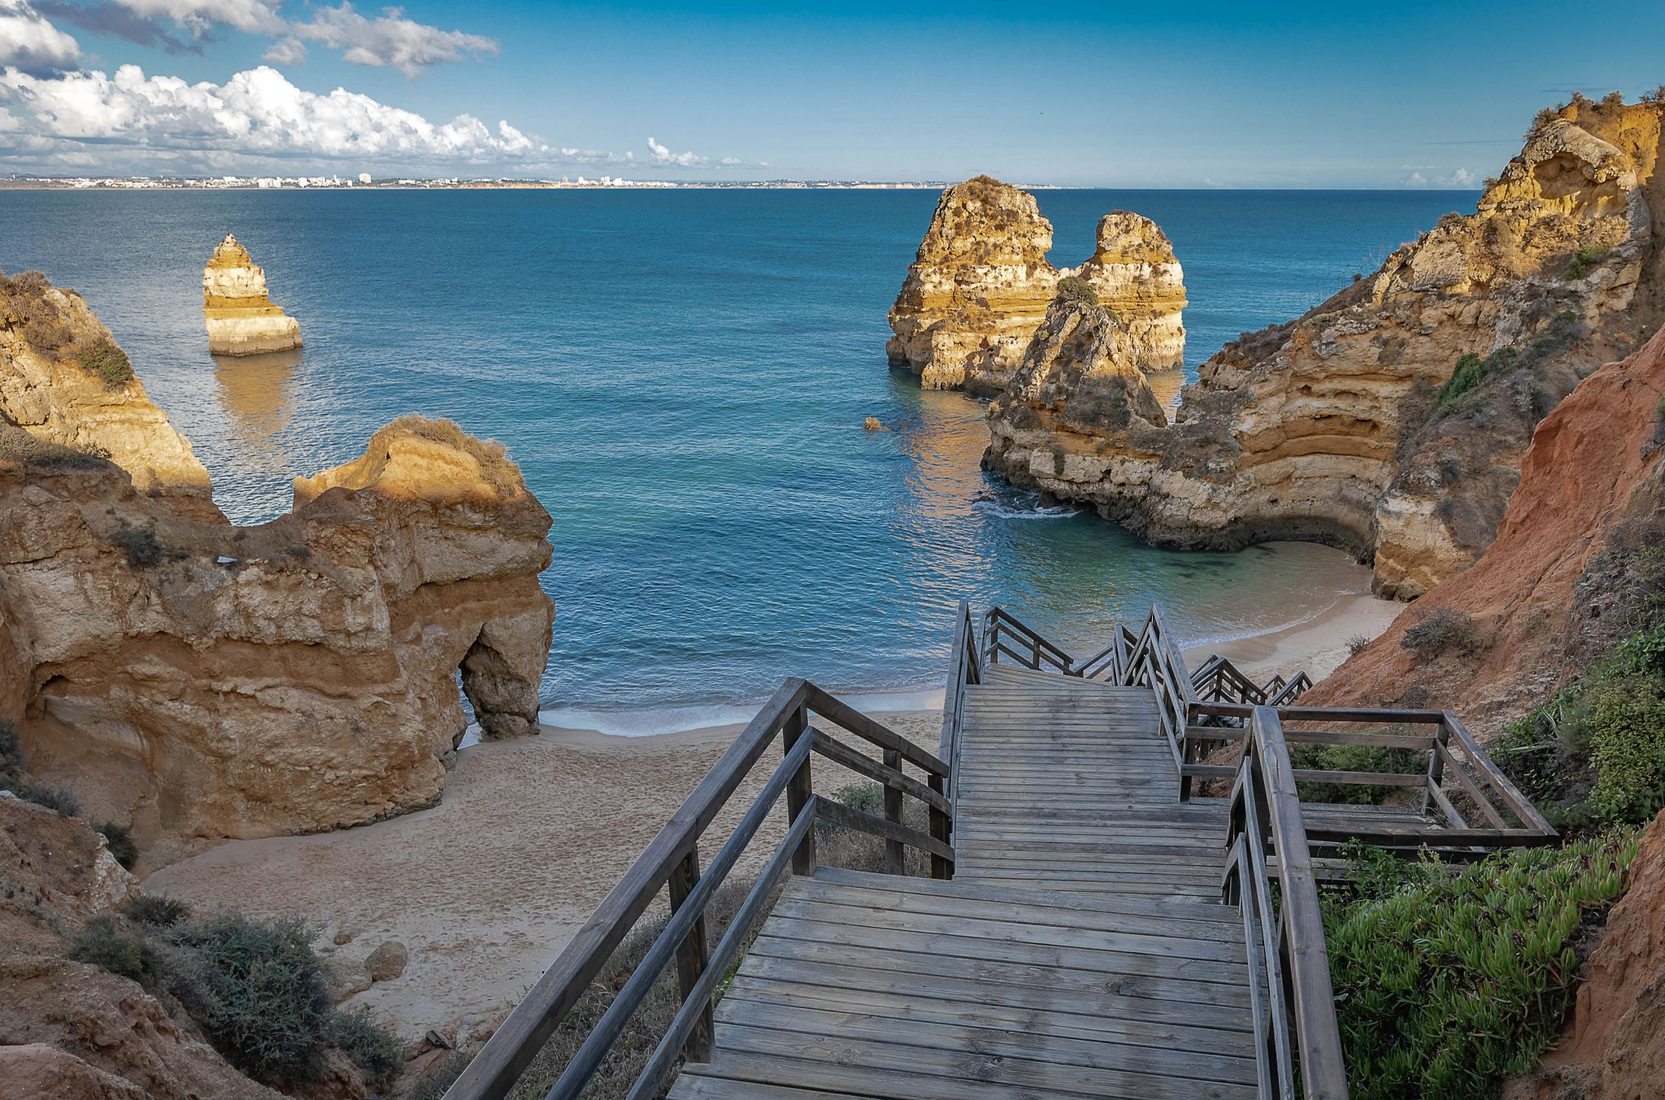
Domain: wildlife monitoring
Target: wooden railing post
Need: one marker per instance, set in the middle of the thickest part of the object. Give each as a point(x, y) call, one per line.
point(941, 827)
point(1436, 764)
point(693, 955)
point(895, 852)
point(798, 790)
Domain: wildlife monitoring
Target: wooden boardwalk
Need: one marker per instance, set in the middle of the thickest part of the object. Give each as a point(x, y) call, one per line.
point(1080, 950)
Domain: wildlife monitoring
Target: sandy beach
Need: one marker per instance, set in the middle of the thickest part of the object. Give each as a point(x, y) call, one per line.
point(487, 887)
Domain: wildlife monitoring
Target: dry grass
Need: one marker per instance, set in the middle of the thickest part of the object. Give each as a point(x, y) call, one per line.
point(498, 470)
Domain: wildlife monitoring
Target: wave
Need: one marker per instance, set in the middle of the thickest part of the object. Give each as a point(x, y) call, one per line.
point(1019, 508)
point(685, 717)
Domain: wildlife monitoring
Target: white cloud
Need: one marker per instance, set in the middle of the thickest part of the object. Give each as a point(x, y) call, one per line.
point(199, 15)
point(286, 51)
point(1417, 179)
point(255, 114)
point(1462, 177)
point(29, 42)
point(663, 155)
point(390, 39)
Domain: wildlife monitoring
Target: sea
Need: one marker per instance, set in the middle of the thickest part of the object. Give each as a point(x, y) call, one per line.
point(683, 376)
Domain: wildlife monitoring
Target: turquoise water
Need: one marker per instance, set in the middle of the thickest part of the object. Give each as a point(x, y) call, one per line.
point(683, 376)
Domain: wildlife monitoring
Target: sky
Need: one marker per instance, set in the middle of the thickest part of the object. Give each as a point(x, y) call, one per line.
point(1200, 94)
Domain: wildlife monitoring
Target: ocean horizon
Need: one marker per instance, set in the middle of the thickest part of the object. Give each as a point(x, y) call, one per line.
point(683, 377)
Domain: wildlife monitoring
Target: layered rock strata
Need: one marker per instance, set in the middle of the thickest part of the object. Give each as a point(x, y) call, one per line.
point(200, 679)
point(240, 317)
point(981, 282)
point(1346, 425)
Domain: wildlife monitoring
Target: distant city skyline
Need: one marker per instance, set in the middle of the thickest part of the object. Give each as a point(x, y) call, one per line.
point(1209, 95)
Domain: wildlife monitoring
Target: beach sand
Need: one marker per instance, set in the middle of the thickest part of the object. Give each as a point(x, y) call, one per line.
point(487, 887)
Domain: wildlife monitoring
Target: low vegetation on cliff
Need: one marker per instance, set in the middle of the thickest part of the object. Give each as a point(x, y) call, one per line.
point(30, 306)
point(254, 988)
point(1448, 982)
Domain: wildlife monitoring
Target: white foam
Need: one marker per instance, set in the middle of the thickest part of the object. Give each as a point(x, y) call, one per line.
point(652, 721)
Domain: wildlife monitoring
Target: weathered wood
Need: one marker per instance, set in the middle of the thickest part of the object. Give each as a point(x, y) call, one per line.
point(887, 773)
point(517, 1040)
point(1518, 803)
point(836, 710)
point(800, 789)
point(693, 955)
point(840, 814)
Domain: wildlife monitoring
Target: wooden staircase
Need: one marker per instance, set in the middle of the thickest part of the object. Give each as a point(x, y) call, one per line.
point(1095, 925)
point(1081, 948)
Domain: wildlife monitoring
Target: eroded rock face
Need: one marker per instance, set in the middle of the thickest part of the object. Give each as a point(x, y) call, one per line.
point(240, 317)
point(199, 679)
point(1556, 585)
point(1615, 1049)
point(64, 380)
point(1333, 427)
point(981, 282)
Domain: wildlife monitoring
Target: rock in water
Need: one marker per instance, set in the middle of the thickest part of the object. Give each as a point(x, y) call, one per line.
point(981, 282)
point(1350, 425)
point(1137, 278)
point(241, 319)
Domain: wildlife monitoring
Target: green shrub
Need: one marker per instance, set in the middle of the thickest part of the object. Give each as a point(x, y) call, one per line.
point(1626, 703)
point(1466, 375)
point(1073, 288)
point(158, 910)
point(372, 1048)
point(1584, 260)
point(1353, 758)
point(1445, 985)
point(1442, 630)
point(105, 943)
point(258, 993)
point(53, 798)
point(120, 842)
point(105, 359)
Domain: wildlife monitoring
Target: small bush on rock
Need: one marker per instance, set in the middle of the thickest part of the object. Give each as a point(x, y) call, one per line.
point(1584, 260)
point(1073, 288)
point(105, 359)
point(1440, 631)
point(140, 544)
point(53, 798)
point(105, 943)
point(258, 993)
point(372, 1048)
point(157, 909)
point(1448, 983)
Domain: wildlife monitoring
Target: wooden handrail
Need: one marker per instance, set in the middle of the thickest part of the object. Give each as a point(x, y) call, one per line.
point(1297, 1036)
point(998, 625)
point(671, 860)
point(965, 668)
point(1454, 767)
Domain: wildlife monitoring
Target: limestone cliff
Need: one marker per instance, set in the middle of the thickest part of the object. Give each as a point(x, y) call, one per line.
point(981, 282)
point(240, 317)
point(65, 381)
point(199, 679)
point(1390, 419)
point(1552, 589)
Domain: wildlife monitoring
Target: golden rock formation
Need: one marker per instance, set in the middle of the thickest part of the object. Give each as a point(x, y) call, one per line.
point(200, 679)
point(981, 282)
point(1345, 426)
point(241, 319)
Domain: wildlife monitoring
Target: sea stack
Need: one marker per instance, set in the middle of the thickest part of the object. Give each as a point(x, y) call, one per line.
point(241, 319)
point(981, 284)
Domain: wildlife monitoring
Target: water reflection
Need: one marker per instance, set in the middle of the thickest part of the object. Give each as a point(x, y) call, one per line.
point(257, 393)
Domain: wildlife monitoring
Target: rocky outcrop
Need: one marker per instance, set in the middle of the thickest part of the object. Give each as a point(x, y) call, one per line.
point(1615, 1047)
point(981, 282)
point(1347, 426)
point(200, 679)
point(241, 319)
point(65, 381)
point(1557, 585)
point(1136, 277)
point(71, 1029)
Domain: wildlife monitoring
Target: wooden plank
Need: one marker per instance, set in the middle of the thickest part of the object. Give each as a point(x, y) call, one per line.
point(694, 1083)
point(1055, 1047)
point(1044, 899)
point(891, 777)
point(840, 814)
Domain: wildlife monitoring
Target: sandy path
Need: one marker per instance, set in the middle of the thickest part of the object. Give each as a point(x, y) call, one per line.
point(487, 887)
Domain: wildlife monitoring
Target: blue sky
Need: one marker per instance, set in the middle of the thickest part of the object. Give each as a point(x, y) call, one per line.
point(1296, 95)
